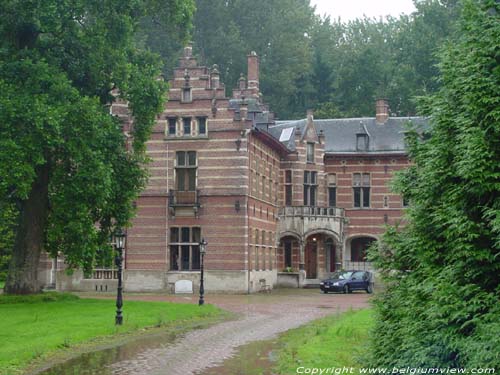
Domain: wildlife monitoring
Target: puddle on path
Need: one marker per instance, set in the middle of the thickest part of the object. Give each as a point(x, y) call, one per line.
point(256, 358)
point(98, 362)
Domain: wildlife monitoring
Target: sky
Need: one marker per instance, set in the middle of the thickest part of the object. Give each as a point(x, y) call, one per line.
point(351, 9)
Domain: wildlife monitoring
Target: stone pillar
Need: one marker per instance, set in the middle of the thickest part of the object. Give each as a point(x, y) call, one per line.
point(215, 77)
point(302, 271)
point(302, 257)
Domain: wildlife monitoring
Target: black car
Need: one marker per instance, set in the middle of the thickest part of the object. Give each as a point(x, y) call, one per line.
point(347, 281)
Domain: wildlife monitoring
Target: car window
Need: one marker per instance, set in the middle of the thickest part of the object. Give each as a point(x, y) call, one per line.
point(358, 275)
point(345, 275)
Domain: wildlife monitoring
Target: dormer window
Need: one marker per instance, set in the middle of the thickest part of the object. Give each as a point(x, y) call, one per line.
point(362, 141)
point(186, 95)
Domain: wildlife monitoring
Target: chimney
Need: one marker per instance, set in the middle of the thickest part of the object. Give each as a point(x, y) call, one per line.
point(214, 77)
point(382, 111)
point(253, 70)
point(310, 116)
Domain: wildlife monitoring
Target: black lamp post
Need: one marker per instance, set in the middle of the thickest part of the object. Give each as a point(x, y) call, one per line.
point(119, 242)
point(203, 249)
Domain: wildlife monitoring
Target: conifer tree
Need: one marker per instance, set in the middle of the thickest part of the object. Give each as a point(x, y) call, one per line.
point(442, 303)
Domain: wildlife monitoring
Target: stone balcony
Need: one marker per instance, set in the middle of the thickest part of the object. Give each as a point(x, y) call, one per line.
point(303, 220)
point(184, 203)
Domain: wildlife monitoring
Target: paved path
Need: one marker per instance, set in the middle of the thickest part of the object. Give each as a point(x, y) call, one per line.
point(262, 317)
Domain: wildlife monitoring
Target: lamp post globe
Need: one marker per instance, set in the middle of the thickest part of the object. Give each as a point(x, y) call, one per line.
point(203, 249)
point(119, 243)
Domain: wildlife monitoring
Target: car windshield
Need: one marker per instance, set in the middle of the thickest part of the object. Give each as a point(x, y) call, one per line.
point(342, 275)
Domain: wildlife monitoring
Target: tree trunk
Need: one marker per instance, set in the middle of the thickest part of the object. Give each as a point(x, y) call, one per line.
point(23, 268)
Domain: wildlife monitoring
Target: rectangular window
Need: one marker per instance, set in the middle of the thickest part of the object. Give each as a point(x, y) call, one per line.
point(310, 188)
point(361, 190)
point(271, 250)
point(332, 190)
point(202, 125)
point(257, 249)
point(186, 95)
point(288, 195)
point(310, 153)
point(332, 196)
point(172, 121)
point(405, 201)
point(264, 249)
point(288, 253)
point(186, 125)
point(186, 170)
point(185, 251)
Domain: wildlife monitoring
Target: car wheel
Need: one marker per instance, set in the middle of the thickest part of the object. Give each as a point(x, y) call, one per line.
point(347, 289)
point(369, 290)
point(325, 291)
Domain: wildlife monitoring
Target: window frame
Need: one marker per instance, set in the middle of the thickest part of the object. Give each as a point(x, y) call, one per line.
point(172, 121)
point(310, 152)
point(361, 185)
point(185, 170)
point(180, 246)
point(287, 253)
point(310, 188)
point(184, 123)
point(362, 142)
point(288, 187)
point(198, 122)
point(332, 189)
point(186, 95)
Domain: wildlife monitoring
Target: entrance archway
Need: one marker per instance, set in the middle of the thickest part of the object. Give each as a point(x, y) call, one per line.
point(356, 252)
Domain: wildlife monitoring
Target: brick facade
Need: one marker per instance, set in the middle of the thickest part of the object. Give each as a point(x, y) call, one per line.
point(268, 196)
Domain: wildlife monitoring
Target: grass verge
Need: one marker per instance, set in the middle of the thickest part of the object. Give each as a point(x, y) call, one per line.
point(335, 341)
point(32, 328)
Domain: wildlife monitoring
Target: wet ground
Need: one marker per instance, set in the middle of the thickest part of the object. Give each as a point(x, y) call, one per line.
point(242, 346)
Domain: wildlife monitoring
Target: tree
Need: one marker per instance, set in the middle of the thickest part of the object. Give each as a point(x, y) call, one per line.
point(8, 218)
point(279, 31)
point(63, 156)
point(365, 59)
point(441, 306)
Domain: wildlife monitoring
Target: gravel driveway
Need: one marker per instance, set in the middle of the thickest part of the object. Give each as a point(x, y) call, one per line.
point(262, 317)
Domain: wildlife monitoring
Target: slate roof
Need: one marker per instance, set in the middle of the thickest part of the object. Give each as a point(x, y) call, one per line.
point(340, 134)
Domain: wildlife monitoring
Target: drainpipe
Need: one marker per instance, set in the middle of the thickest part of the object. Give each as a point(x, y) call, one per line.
point(247, 245)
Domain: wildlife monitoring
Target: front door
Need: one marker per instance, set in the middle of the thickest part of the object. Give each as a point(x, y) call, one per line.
point(311, 260)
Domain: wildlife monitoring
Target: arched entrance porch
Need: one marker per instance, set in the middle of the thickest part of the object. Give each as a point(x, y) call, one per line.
point(322, 255)
point(356, 252)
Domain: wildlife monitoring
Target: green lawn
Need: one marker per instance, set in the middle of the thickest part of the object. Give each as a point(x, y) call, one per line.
point(34, 327)
point(335, 341)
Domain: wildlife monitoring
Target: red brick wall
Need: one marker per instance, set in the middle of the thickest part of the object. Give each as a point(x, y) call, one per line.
point(381, 169)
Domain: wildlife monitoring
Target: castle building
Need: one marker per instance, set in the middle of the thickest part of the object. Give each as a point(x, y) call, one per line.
point(280, 203)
